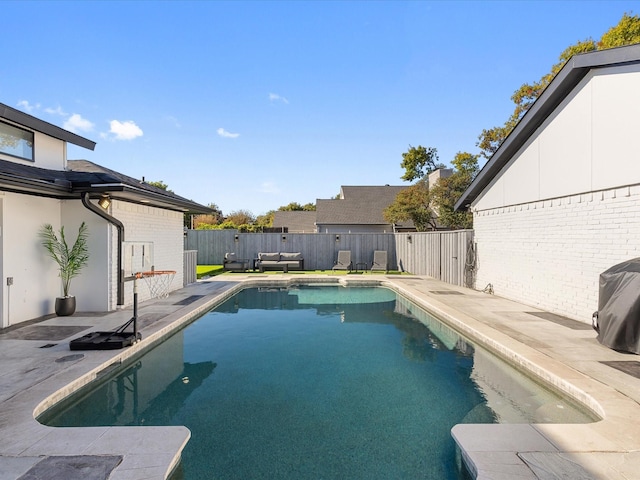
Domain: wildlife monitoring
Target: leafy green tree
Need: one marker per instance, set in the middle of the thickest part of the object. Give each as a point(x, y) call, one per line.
point(226, 225)
point(419, 161)
point(413, 203)
point(240, 217)
point(265, 221)
point(159, 184)
point(198, 222)
point(296, 207)
point(446, 192)
point(626, 32)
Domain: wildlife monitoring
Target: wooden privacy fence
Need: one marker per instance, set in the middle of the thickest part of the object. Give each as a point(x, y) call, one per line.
point(447, 256)
point(189, 274)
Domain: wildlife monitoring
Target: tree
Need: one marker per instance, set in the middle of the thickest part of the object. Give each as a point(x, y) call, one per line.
point(413, 203)
point(240, 217)
point(626, 32)
point(265, 221)
point(418, 162)
point(446, 192)
point(296, 207)
point(159, 184)
point(199, 221)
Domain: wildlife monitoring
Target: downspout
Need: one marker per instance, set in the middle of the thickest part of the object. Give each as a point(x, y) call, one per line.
point(120, 228)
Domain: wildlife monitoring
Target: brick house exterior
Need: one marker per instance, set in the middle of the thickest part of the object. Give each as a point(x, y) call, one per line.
point(39, 185)
point(559, 202)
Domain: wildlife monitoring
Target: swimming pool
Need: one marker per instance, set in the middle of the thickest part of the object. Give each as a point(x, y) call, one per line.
point(316, 382)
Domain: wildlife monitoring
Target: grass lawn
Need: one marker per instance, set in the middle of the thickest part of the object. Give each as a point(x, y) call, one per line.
point(208, 270)
point(212, 270)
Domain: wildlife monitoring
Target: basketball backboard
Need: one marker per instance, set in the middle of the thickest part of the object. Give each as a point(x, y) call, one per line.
point(137, 257)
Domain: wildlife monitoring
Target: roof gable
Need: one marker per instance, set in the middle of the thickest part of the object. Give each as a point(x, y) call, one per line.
point(33, 123)
point(576, 68)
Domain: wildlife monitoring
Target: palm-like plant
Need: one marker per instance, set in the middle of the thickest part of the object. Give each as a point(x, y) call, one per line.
point(70, 260)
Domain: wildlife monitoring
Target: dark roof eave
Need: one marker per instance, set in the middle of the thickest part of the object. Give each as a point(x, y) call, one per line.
point(125, 192)
point(18, 183)
point(41, 126)
point(64, 190)
point(564, 82)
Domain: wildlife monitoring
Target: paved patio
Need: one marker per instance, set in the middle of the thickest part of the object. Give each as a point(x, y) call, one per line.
point(38, 369)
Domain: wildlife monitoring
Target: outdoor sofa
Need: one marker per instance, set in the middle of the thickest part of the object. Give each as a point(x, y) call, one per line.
point(279, 261)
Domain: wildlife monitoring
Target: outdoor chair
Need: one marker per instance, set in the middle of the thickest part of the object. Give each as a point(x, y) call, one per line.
point(380, 261)
point(232, 263)
point(344, 261)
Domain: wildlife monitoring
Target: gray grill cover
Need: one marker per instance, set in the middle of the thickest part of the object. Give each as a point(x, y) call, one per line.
point(619, 307)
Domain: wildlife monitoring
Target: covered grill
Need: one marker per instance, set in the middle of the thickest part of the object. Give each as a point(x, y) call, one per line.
point(617, 320)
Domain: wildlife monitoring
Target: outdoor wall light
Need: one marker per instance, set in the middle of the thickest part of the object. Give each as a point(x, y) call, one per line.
point(284, 238)
point(409, 238)
point(104, 202)
point(236, 238)
point(337, 238)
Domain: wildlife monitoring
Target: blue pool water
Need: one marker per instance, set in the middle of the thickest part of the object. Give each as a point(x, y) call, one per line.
point(315, 382)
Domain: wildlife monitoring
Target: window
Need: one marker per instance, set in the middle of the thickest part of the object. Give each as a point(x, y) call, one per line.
point(16, 142)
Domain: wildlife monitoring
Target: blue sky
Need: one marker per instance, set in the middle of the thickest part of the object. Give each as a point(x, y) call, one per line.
point(252, 105)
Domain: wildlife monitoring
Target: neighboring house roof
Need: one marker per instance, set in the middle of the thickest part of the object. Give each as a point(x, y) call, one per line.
point(38, 125)
point(564, 82)
point(359, 205)
point(295, 221)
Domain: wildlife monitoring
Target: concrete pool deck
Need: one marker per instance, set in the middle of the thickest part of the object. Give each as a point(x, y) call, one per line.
point(38, 370)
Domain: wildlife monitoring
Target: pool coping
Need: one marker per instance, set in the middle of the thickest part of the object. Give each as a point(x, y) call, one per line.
point(604, 449)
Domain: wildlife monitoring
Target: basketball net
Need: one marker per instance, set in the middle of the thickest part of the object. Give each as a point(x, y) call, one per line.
point(158, 282)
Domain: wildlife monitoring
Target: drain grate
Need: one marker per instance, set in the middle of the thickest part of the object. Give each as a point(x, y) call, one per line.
point(630, 367)
point(96, 467)
point(70, 358)
point(189, 300)
point(45, 332)
point(445, 292)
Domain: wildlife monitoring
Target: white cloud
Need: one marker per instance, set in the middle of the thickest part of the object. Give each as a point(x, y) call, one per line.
point(125, 130)
point(269, 187)
point(75, 123)
point(223, 133)
point(25, 105)
point(274, 97)
point(56, 111)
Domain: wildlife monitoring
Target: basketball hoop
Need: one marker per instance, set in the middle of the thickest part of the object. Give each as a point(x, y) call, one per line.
point(158, 281)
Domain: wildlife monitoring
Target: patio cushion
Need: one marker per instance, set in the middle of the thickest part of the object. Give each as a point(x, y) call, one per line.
point(290, 256)
point(269, 256)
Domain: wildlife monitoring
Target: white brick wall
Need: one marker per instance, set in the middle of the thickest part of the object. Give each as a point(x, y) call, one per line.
point(162, 227)
point(549, 254)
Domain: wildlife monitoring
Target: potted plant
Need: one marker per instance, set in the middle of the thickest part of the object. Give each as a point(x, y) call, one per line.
point(70, 261)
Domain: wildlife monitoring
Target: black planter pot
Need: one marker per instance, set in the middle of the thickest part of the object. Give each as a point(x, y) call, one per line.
point(65, 306)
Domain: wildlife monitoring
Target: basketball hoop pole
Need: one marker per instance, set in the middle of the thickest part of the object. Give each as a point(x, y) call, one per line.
point(135, 308)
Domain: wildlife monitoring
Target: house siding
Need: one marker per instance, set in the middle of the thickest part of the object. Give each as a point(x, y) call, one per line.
point(162, 227)
point(549, 254)
point(587, 144)
point(566, 206)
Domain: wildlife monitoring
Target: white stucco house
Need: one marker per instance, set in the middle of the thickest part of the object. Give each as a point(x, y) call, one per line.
point(39, 185)
point(559, 201)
